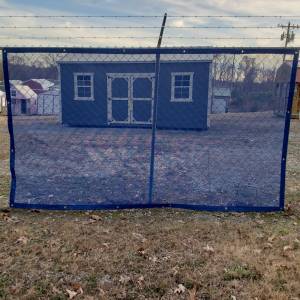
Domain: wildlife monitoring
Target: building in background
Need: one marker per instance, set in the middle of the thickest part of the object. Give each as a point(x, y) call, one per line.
point(120, 92)
point(3, 107)
point(39, 85)
point(48, 102)
point(220, 100)
point(296, 100)
point(23, 99)
point(282, 82)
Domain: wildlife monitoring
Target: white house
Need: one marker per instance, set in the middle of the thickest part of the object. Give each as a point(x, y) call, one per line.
point(24, 99)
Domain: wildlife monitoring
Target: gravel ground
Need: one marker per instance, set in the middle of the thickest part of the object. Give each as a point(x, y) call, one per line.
point(235, 162)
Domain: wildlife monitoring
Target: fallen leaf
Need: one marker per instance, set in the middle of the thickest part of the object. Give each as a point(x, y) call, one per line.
point(71, 294)
point(141, 251)
point(192, 293)
point(288, 209)
point(139, 236)
point(55, 290)
point(106, 282)
point(106, 245)
point(22, 240)
point(209, 249)
point(175, 270)
point(76, 286)
point(260, 235)
point(91, 221)
point(287, 248)
point(153, 259)
point(271, 238)
point(233, 297)
point(6, 217)
point(268, 246)
point(95, 217)
point(180, 289)
point(124, 279)
point(260, 222)
point(77, 290)
point(296, 243)
point(165, 258)
point(141, 280)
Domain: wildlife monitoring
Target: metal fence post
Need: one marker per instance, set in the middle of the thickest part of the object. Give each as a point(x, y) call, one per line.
point(154, 117)
point(287, 129)
point(10, 127)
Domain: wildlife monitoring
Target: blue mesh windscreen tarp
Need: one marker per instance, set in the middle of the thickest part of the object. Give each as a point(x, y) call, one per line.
point(90, 130)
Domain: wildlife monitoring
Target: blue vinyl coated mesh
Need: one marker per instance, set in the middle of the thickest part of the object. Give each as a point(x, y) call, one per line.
point(201, 129)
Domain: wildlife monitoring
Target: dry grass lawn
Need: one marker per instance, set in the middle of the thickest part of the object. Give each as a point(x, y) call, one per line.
point(151, 254)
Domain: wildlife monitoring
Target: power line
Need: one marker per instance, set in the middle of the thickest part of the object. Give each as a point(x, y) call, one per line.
point(236, 16)
point(135, 37)
point(137, 27)
point(149, 16)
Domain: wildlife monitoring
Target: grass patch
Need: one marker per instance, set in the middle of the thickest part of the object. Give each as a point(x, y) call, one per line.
point(42, 288)
point(5, 281)
point(240, 272)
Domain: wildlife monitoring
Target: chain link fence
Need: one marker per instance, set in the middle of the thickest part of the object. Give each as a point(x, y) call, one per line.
point(201, 128)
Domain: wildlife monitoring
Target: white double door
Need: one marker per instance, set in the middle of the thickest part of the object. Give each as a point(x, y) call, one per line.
point(130, 98)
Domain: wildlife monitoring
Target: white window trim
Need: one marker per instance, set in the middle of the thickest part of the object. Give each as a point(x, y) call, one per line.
point(190, 98)
point(76, 97)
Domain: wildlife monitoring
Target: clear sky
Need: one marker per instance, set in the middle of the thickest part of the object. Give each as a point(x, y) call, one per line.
point(99, 36)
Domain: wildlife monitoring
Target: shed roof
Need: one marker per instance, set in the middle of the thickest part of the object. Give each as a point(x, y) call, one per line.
point(45, 83)
point(222, 91)
point(15, 81)
point(107, 58)
point(25, 90)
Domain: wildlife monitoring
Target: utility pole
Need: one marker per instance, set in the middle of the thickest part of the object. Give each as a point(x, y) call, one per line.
point(288, 36)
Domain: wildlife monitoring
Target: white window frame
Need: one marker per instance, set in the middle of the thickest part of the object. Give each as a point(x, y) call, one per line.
point(190, 98)
point(76, 97)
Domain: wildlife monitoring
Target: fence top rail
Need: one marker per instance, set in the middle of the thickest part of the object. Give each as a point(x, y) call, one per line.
point(163, 50)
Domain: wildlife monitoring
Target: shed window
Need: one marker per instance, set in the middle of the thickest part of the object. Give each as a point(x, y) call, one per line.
point(182, 87)
point(84, 86)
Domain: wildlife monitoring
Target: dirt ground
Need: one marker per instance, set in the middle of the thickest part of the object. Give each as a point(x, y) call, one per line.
point(235, 162)
point(152, 254)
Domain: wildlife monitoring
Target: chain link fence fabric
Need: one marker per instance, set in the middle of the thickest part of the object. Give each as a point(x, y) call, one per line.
point(202, 128)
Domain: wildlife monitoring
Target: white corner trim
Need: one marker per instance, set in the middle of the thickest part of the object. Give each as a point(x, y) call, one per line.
point(190, 98)
point(76, 97)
